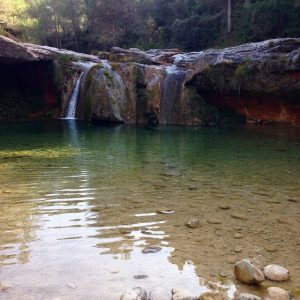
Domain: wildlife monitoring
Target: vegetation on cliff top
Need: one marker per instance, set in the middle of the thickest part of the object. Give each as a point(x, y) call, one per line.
point(87, 25)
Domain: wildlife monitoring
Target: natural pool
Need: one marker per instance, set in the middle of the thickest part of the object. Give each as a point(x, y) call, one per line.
point(78, 204)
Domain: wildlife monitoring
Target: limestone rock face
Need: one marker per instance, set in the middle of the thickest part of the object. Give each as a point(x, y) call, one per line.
point(13, 52)
point(246, 272)
point(276, 273)
point(255, 82)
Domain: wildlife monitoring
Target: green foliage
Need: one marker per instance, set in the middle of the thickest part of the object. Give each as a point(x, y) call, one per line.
point(85, 25)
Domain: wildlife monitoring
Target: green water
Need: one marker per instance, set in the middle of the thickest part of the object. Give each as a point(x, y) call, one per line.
point(80, 203)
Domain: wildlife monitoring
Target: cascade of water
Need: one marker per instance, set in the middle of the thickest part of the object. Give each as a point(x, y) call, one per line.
point(171, 94)
point(71, 111)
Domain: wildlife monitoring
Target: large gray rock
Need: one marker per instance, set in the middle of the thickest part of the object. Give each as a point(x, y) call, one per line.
point(276, 273)
point(246, 272)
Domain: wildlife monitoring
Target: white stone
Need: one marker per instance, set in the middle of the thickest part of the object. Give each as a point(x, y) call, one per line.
point(276, 273)
point(276, 293)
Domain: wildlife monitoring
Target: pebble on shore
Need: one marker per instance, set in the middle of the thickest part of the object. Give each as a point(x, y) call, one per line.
point(276, 273)
point(246, 272)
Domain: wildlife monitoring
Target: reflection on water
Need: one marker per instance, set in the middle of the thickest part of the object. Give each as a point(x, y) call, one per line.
point(79, 204)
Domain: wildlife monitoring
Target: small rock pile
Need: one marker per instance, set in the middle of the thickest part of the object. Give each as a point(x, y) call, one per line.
point(244, 271)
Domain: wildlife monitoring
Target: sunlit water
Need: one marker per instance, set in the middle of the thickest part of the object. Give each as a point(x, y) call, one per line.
point(80, 203)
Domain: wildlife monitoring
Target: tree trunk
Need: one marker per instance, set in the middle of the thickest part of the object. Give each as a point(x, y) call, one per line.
point(229, 12)
point(45, 35)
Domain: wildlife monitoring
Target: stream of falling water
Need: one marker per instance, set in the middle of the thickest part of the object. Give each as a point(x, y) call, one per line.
point(71, 111)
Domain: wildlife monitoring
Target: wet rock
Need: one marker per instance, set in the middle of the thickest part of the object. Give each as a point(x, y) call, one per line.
point(276, 293)
point(239, 216)
point(276, 273)
point(238, 236)
point(224, 206)
point(216, 295)
point(135, 294)
point(181, 294)
point(194, 223)
point(247, 297)
point(151, 249)
point(246, 272)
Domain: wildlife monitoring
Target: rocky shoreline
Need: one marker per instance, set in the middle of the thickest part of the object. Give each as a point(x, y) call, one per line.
point(244, 271)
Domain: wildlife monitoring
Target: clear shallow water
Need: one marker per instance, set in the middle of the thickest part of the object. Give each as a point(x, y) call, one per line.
point(79, 203)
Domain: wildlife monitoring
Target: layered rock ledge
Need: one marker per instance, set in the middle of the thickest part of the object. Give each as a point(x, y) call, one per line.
point(256, 82)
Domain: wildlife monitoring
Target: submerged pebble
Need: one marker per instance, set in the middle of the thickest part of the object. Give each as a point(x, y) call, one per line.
point(239, 216)
point(194, 223)
point(140, 276)
point(224, 206)
point(135, 294)
point(181, 294)
point(214, 221)
point(151, 249)
point(216, 295)
point(245, 296)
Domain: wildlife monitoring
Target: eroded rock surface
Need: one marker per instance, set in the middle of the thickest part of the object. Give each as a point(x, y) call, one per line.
point(256, 82)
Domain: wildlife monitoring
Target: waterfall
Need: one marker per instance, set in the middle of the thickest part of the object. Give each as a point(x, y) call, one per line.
point(71, 111)
point(171, 95)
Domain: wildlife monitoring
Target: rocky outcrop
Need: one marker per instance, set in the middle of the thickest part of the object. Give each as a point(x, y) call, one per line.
point(256, 82)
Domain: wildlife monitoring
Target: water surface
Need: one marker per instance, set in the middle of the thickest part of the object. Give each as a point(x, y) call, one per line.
point(80, 203)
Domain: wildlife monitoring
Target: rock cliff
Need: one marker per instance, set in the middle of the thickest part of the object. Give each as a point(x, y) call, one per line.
point(256, 82)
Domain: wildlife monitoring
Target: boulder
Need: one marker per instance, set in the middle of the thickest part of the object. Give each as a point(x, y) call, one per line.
point(276, 273)
point(246, 272)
